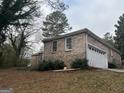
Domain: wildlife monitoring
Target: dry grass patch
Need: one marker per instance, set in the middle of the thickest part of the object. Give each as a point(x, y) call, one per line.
point(87, 81)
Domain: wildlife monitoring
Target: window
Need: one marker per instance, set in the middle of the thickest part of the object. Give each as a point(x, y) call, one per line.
point(111, 53)
point(96, 49)
point(68, 43)
point(54, 45)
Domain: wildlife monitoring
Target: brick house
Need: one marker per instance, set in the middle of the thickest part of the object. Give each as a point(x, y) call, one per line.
point(35, 60)
point(81, 44)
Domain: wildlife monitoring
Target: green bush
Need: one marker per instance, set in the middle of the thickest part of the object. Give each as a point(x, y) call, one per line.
point(51, 65)
point(80, 63)
point(45, 65)
point(58, 64)
point(112, 65)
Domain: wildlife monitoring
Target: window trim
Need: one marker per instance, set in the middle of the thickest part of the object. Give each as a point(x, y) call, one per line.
point(66, 49)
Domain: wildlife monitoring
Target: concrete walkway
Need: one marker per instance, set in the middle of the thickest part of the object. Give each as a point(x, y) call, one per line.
point(116, 70)
point(65, 70)
point(68, 70)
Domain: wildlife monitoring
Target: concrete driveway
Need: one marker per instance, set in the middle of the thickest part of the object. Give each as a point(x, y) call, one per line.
point(116, 70)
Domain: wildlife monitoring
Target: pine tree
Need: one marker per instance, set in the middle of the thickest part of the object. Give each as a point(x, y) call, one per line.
point(119, 38)
point(16, 13)
point(55, 24)
point(22, 12)
point(109, 38)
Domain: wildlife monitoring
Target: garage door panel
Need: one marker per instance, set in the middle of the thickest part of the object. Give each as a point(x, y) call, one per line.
point(96, 57)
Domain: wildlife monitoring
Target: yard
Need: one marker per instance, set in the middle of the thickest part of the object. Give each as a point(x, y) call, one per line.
point(87, 81)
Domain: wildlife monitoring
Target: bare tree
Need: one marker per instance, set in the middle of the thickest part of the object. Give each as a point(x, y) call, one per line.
point(14, 12)
point(21, 12)
point(58, 5)
point(16, 22)
point(19, 39)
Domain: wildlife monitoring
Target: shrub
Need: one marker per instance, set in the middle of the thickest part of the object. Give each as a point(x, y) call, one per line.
point(80, 63)
point(112, 65)
point(58, 64)
point(51, 65)
point(42, 65)
point(76, 63)
point(45, 65)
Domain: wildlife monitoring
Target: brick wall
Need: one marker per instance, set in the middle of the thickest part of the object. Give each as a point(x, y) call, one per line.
point(78, 49)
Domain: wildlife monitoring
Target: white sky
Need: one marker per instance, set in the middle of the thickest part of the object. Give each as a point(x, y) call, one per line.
point(99, 16)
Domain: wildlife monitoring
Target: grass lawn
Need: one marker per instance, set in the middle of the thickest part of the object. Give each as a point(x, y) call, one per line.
point(87, 81)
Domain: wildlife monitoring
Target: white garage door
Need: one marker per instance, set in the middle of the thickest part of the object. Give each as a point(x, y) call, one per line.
point(96, 57)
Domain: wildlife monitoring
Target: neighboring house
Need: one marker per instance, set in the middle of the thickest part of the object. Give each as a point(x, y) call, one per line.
point(36, 59)
point(81, 44)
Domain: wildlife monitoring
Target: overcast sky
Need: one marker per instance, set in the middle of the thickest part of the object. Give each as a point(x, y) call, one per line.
point(99, 16)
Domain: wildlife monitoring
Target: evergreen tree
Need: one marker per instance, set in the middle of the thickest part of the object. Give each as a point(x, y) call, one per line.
point(109, 38)
point(21, 13)
point(15, 12)
point(55, 24)
point(119, 38)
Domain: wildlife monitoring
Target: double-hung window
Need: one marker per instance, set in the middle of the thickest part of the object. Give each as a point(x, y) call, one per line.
point(54, 46)
point(68, 43)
